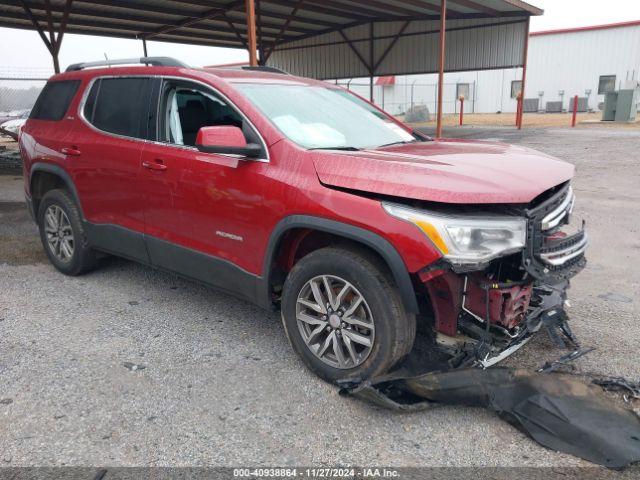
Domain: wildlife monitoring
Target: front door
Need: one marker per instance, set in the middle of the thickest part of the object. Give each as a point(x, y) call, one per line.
point(201, 209)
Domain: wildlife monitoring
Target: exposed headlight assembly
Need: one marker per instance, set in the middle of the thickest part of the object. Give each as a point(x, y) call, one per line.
point(466, 239)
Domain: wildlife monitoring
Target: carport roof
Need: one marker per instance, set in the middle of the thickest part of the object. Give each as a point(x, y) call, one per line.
point(223, 22)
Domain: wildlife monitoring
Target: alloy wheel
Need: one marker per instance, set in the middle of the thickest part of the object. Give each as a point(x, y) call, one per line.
point(335, 321)
point(59, 233)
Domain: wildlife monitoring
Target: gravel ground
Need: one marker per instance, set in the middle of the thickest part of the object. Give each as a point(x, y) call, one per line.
point(216, 382)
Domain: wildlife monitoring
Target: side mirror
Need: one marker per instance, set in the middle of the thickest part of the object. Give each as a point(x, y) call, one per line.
point(226, 140)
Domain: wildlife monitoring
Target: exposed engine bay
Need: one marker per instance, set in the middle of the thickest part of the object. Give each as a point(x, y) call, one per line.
point(481, 315)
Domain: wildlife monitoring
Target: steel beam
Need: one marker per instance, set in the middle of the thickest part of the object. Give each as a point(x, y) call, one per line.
point(525, 54)
point(355, 50)
point(208, 15)
point(251, 32)
point(391, 45)
point(441, 60)
point(284, 28)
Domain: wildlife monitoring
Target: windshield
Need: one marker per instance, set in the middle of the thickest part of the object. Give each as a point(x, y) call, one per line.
point(317, 117)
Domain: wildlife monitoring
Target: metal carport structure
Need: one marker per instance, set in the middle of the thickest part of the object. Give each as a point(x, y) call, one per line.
point(317, 38)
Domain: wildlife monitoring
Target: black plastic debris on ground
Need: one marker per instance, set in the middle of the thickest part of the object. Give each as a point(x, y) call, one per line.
point(559, 411)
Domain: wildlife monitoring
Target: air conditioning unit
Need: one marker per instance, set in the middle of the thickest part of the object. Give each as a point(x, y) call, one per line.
point(627, 105)
point(622, 106)
point(610, 105)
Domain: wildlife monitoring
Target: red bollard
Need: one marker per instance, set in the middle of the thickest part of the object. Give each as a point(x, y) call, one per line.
point(519, 111)
point(461, 109)
point(575, 111)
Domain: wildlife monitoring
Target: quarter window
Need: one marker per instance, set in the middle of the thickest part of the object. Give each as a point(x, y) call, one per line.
point(119, 106)
point(606, 84)
point(54, 100)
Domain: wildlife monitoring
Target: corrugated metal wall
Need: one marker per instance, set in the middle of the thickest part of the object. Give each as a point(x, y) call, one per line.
point(476, 44)
point(573, 63)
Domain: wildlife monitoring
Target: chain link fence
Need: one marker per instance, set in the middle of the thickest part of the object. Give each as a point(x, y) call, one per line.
point(399, 98)
point(19, 88)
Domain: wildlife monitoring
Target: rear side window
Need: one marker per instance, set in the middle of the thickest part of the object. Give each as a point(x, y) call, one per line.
point(54, 100)
point(119, 105)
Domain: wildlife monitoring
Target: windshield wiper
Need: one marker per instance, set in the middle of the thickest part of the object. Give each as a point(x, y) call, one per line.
point(350, 149)
point(401, 142)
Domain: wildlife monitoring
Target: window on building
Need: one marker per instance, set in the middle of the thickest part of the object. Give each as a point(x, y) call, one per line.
point(516, 88)
point(607, 84)
point(54, 100)
point(119, 105)
point(462, 90)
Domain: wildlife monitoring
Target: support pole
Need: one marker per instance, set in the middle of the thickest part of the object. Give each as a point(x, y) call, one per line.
point(461, 109)
point(525, 54)
point(260, 42)
point(144, 47)
point(443, 22)
point(371, 67)
point(371, 89)
point(575, 111)
point(251, 32)
point(54, 41)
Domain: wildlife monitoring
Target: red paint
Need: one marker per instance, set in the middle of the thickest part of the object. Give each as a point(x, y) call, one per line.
point(507, 306)
point(519, 112)
point(386, 81)
point(222, 135)
point(449, 171)
point(575, 111)
point(445, 293)
point(607, 26)
point(184, 196)
point(427, 274)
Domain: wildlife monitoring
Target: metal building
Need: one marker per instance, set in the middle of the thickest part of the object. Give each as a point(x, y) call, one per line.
point(317, 38)
point(586, 61)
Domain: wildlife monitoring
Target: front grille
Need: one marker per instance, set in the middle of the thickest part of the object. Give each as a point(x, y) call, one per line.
point(551, 255)
point(558, 253)
point(559, 213)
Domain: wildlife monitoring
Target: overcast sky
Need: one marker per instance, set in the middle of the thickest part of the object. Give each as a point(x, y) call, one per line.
point(23, 51)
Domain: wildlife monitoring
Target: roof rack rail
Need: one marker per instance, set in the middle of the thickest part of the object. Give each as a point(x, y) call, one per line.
point(154, 61)
point(263, 68)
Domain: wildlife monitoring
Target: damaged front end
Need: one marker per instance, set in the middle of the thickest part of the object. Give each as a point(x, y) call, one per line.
point(484, 309)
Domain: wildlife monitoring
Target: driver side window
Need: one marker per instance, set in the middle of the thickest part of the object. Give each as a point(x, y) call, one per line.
point(185, 109)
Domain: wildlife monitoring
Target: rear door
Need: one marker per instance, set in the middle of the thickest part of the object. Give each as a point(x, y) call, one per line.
point(108, 145)
point(43, 137)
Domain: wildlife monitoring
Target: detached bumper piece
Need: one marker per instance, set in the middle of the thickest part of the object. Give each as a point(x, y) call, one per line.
point(558, 411)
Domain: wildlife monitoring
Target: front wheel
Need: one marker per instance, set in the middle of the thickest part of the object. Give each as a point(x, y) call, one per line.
point(343, 315)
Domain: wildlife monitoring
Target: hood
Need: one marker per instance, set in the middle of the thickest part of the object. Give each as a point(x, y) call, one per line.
point(448, 171)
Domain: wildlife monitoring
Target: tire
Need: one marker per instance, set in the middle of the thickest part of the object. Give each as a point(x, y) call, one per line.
point(61, 206)
point(380, 316)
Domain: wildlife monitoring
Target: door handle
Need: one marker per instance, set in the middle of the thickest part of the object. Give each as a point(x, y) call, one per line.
point(157, 165)
point(71, 151)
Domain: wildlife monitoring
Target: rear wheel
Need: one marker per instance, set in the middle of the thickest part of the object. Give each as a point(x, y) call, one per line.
point(344, 316)
point(62, 235)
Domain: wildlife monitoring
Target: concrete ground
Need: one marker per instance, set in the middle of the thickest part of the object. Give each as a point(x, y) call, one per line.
point(217, 382)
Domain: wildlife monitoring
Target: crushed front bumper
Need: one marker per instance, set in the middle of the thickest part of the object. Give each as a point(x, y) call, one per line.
point(482, 317)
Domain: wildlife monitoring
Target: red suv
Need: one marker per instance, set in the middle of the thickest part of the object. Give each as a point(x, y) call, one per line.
point(298, 195)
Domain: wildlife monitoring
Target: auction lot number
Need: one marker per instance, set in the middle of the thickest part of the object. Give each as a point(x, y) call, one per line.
point(313, 473)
